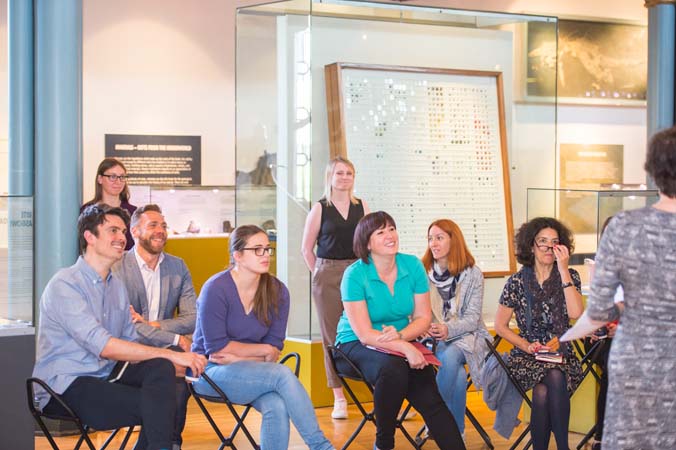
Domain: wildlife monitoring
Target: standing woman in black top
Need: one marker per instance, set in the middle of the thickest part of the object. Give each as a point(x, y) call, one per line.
point(330, 225)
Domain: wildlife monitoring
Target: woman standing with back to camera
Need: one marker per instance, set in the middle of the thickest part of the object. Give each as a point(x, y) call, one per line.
point(330, 225)
point(638, 252)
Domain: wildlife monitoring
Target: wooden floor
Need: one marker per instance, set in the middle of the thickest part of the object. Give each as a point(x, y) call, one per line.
point(199, 436)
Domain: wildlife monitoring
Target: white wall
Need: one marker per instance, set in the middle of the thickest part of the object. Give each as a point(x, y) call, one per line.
point(159, 67)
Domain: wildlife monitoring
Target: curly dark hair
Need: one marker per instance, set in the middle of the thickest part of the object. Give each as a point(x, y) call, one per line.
point(525, 238)
point(660, 161)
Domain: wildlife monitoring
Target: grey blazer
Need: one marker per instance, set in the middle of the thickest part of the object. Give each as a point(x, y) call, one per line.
point(176, 292)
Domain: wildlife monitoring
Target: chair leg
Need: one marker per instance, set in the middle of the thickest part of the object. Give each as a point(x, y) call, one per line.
point(46, 432)
point(84, 436)
point(224, 442)
point(408, 437)
point(422, 436)
point(475, 423)
point(521, 438)
point(356, 432)
point(240, 425)
point(112, 435)
point(239, 419)
point(586, 437)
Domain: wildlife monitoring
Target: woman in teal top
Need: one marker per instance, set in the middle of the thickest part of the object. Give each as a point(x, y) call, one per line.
point(386, 299)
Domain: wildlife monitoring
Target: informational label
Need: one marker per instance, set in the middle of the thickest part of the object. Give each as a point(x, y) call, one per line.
point(590, 165)
point(587, 166)
point(16, 261)
point(427, 146)
point(158, 160)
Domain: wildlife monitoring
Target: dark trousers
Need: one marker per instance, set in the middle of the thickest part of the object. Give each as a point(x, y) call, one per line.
point(182, 396)
point(394, 381)
point(145, 395)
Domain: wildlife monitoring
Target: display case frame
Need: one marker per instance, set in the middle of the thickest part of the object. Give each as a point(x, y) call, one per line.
point(282, 121)
point(584, 212)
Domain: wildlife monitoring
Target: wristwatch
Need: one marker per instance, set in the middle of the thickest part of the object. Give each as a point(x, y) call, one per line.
point(566, 285)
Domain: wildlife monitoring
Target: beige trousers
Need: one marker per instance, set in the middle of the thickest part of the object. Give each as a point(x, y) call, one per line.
point(326, 280)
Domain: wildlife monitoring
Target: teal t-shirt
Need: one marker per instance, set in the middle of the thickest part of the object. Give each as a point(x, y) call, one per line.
point(361, 282)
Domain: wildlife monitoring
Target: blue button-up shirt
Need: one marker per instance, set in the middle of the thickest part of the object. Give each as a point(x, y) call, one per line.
point(79, 313)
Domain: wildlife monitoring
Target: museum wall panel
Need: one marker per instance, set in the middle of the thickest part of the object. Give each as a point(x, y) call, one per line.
point(158, 67)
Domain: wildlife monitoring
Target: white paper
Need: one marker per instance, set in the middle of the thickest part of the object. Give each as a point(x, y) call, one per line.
point(583, 327)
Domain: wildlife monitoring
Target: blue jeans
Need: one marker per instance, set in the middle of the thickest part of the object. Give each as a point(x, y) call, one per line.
point(274, 391)
point(452, 381)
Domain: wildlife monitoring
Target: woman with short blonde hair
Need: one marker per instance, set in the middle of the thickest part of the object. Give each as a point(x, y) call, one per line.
point(330, 225)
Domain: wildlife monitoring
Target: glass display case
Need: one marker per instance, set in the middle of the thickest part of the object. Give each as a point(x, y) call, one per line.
point(191, 210)
point(16, 264)
point(585, 212)
point(283, 137)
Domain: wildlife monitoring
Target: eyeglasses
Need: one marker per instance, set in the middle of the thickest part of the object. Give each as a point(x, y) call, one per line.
point(260, 251)
point(114, 178)
point(545, 244)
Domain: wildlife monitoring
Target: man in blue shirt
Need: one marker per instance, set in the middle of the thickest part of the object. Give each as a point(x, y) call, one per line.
point(86, 328)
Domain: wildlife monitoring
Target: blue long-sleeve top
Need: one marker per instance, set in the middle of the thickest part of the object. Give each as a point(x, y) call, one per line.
point(221, 318)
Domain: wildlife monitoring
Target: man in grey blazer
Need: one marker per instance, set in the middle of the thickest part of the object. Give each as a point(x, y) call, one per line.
point(161, 294)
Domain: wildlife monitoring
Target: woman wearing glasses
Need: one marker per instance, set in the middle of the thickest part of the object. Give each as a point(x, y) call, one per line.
point(241, 324)
point(544, 295)
point(110, 187)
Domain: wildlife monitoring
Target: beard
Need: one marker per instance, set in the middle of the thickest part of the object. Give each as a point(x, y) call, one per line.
point(150, 247)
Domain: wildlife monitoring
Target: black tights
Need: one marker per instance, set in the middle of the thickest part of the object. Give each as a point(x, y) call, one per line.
point(551, 411)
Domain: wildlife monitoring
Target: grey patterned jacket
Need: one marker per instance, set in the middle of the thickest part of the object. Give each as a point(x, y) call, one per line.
point(466, 329)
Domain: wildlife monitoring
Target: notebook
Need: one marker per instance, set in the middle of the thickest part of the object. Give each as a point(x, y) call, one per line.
point(427, 353)
point(550, 357)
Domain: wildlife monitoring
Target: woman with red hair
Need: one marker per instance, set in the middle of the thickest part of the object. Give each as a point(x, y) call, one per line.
point(456, 295)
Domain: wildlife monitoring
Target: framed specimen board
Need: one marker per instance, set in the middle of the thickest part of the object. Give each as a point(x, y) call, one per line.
point(427, 144)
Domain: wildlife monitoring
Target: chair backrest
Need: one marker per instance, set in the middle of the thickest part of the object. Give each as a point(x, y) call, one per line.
point(589, 358)
point(494, 352)
point(287, 357)
point(37, 412)
point(353, 372)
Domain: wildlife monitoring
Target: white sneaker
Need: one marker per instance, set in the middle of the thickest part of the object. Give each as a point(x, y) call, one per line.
point(339, 409)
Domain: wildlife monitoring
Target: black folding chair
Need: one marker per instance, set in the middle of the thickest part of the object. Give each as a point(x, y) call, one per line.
point(229, 441)
point(494, 352)
point(585, 361)
point(367, 416)
point(69, 416)
point(594, 352)
point(422, 436)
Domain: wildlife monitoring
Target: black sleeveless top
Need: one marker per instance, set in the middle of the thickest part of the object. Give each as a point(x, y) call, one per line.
point(335, 233)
